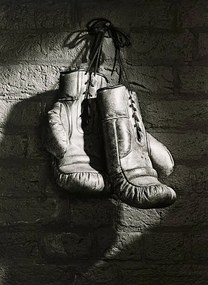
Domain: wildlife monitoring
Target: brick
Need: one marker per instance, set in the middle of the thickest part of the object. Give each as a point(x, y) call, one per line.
point(200, 246)
point(195, 279)
point(179, 214)
point(199, 207)
point(41, 81)
point(15, 245)
point(176, 114)
point(160, 48)
point(188, 210)
point(202, 46)
point(133, 273)
point(54, 47)
point(139, 277)
point(28, 181)
point(23, 15)
point(119, 245)
point(188, 178)
point(200, 271)
point(92, 212)
point(15, 211)
point(19, 45)
point(41, 47)
point(13, 145)
point(101, 272)
point(164, 247)
point(193, 14)
point(20, 113)
point(184, 145)
point(180, 178)
point(36, 148)
point(193, 79)
point(3, 273)
point(104, 237)
point(199, 180)
point(151, 79)
point(51, 187)
point(32, 45)
point(137, 219)
point(143, 278)
point(23, 145)
point(138, 14)
point(40, 273)
point(29, 79)
point(66, 246)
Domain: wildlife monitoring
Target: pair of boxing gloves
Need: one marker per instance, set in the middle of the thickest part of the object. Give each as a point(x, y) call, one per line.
point(98, 142)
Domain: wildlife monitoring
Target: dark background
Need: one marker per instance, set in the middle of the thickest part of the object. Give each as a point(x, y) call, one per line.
point(48, 237)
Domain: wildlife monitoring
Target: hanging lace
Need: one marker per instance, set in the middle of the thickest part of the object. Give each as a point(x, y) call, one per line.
point(98, 29)
point(85, 107)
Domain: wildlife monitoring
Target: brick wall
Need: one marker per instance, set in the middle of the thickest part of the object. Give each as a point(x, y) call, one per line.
point(50, 238)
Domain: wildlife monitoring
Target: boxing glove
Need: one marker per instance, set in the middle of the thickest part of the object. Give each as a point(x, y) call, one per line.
point(131, 152)
point(73, 136)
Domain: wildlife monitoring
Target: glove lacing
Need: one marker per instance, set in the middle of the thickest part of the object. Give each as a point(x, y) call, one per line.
point(99, 29)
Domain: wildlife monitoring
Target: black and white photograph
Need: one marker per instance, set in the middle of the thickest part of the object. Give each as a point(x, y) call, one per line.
point(104, 142)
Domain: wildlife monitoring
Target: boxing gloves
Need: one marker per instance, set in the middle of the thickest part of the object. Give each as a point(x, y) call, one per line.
point(105, 148)
point(74, 137)
point(130, 152)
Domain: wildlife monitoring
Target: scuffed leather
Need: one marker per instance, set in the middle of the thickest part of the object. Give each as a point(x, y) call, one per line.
point(57, 136)
point(79, 165)
point(160, 156)
point(129, 157)
point(80, 181)
point(144, 196)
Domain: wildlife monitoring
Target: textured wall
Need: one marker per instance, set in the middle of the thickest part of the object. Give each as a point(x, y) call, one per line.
point(50, 238)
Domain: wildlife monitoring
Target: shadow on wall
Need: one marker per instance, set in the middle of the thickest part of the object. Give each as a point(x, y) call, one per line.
point(51, 237)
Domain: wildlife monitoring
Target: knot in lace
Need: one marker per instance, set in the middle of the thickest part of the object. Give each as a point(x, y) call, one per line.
point(99, 28)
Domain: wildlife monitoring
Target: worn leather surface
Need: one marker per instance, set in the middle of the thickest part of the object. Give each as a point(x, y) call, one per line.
point(160, 156)
point(79, 163)
point(131, 153)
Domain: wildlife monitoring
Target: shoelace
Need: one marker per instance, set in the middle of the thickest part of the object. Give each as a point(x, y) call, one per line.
point(99, 28)
point(139, 131)
point(85, 107)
